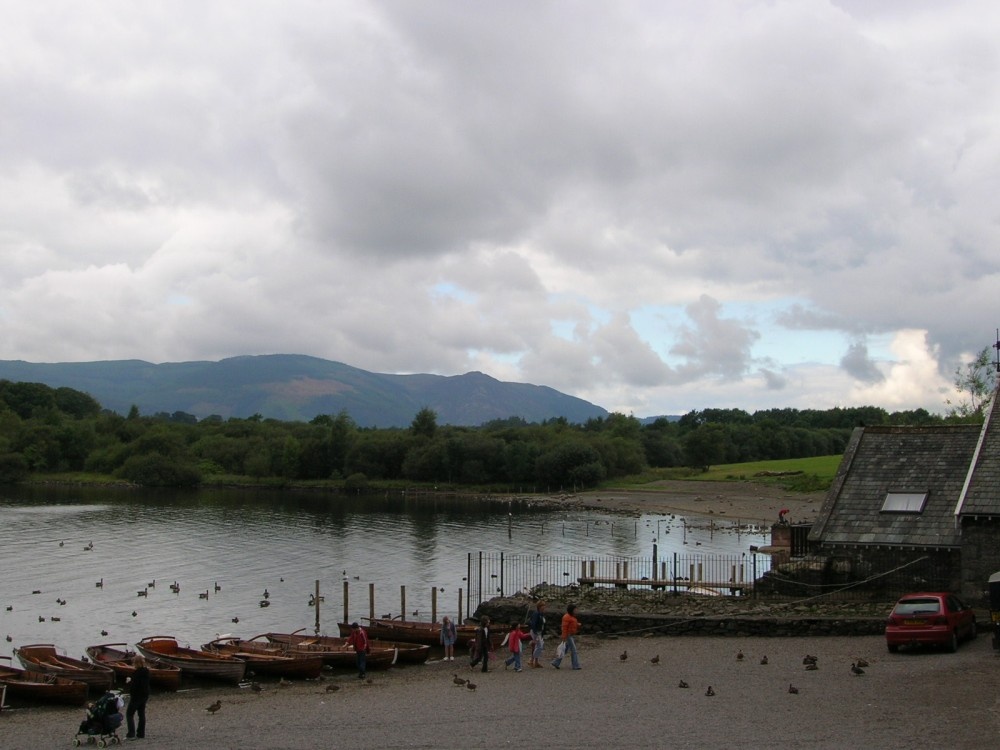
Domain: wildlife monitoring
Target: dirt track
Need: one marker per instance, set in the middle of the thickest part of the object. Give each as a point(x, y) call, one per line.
point(908, 699)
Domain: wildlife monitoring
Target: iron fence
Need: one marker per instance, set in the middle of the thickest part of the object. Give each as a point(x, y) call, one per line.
point(752, 574)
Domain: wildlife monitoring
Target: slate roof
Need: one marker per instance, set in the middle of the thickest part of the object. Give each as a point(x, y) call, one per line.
point(879, 460)
point(982, 497)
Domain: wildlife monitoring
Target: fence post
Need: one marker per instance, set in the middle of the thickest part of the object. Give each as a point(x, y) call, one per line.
point(501, 575)
point(754, 574)
point(654, 561)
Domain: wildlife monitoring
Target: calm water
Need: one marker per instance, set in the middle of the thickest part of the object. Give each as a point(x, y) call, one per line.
point(246, 542)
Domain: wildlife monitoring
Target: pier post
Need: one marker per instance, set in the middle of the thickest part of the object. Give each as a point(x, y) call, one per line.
point(371, 602)
point(434, 604)
point(461, 619)
point(317, 606)
point(402, 602)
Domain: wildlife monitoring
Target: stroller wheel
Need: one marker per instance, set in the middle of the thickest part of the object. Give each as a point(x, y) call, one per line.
point(102, 743)
point(76, 742)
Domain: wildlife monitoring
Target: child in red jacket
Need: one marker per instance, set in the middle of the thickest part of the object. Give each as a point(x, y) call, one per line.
point(514, 639)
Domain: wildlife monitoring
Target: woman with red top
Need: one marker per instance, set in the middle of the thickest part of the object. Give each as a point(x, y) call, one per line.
point(570, 627)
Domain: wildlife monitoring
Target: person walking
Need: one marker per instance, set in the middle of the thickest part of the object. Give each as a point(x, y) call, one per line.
point(537, 627)
point(514, 639)
point(138, 690)
point(449, 634)
point(570, 627)
point(359, 639)
point(483, 646)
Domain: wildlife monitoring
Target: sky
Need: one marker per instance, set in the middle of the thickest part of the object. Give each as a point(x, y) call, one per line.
point(655, 206)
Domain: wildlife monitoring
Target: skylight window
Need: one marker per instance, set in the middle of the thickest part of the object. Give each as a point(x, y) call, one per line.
point(904, 502)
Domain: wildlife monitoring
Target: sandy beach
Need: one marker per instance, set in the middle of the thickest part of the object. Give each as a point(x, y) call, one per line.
point(927, 698)
point(734, 501)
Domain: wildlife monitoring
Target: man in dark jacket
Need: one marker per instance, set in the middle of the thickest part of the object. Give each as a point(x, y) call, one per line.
point(482, 647)
point(138, 690)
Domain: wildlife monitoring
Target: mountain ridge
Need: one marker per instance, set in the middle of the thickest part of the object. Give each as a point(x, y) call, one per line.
point(298, 387)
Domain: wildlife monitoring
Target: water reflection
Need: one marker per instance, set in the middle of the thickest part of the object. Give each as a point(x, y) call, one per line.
point(246, 541)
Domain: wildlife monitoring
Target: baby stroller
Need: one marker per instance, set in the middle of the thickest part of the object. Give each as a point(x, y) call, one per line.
point(104, 716)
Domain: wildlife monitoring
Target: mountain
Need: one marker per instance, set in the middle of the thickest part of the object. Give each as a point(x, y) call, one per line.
point(297, 388)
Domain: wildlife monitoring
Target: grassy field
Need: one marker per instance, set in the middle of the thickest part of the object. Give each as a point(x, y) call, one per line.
point(796, 474)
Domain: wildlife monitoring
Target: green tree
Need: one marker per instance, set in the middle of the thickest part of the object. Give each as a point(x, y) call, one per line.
point(425, 423)
point(974, 382)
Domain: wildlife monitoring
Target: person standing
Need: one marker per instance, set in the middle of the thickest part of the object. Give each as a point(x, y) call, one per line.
point(449, 634)
point(483, 646)
point(138, 690)
point(570, 627)
point(359, 639)
point(537, 627)
point(515, 638)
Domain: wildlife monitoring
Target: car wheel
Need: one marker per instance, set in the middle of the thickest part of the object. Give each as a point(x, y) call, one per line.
point(952, 645)
point(893, 648)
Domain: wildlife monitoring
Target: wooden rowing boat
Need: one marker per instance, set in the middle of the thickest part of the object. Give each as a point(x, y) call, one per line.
point(408, 652)
point(193, 662)
point(161, 674)
point(429, 633)
point(336, 652)
point(29, 687)
point(271, 660)
point(45, 658)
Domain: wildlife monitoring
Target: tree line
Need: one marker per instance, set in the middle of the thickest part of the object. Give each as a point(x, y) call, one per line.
point(47, 430)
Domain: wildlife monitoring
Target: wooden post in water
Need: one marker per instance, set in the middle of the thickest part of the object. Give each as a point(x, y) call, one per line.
point(402, 602)
point(371, 602)
point(461, 619)
point(317, 606)
point(434, 604)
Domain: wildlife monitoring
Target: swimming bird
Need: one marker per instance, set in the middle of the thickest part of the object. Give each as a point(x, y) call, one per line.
point(41, 619)
point(624, 655)
point(55, 619)
point(134, 613)
point(763, 659)
point(143, 592)
point(10, 607)
point(61, 544)
point(214, 707)
point(9, 639)
point(416, 613)
point(151, 584)
point(236, 619)
point(203, 594)
point(104, 632)
point(739, 655)
point(266, 594)
point(856, 670)
point(100, 584)
point(265, 603)
point(37, 591)
point(655, 659)
point(458, 680)
point(218, 588)
point(682, 684)
point(792, 689)
point(709, 692)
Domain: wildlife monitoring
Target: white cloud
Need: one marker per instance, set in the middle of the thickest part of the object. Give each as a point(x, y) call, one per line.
point(443, 187)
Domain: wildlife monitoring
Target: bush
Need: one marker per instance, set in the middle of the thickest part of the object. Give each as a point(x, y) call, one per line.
point(155, 470)
point(357, 482)
point(13, 468)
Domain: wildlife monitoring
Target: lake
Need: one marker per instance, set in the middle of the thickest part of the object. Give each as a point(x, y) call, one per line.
point(232, 545)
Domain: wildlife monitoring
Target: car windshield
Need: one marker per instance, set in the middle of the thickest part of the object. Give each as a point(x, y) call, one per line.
point(919, 607)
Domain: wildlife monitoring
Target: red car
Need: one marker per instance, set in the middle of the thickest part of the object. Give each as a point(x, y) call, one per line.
point(929, 619)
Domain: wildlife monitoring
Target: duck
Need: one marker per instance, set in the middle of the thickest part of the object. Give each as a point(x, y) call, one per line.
point(792, 689)
point(458, 680)
point(655, 659)
point(683, 684)
point(236, 619)
point(861, 662)
point(100, 584)
point(203, 594)
point(265, 603)
point(812, 666)
point(134, 613)
point(763, 659)
point(214, 707)
point(471, 685)
point(142, 592)
point(739, 655)
point(709, 692)
point(104, 632)
point(218, 588)
point(331, 688)
point(856, 670)
point(623, 656)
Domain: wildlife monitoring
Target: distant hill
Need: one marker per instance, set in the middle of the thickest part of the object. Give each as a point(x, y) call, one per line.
point(297, 388)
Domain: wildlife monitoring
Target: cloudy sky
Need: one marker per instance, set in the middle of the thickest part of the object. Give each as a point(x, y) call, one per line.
point(656, 206)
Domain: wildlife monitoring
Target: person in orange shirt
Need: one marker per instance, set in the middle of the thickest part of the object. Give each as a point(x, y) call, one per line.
point(570, 627)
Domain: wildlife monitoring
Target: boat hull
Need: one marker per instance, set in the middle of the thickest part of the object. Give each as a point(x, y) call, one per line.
point(192, 662)
point(272, 661)
point(29, 688)
point(161, 674)
point(45, 658)
point(335, 652)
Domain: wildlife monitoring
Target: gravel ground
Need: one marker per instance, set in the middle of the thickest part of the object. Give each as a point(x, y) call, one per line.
point(924, 699)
